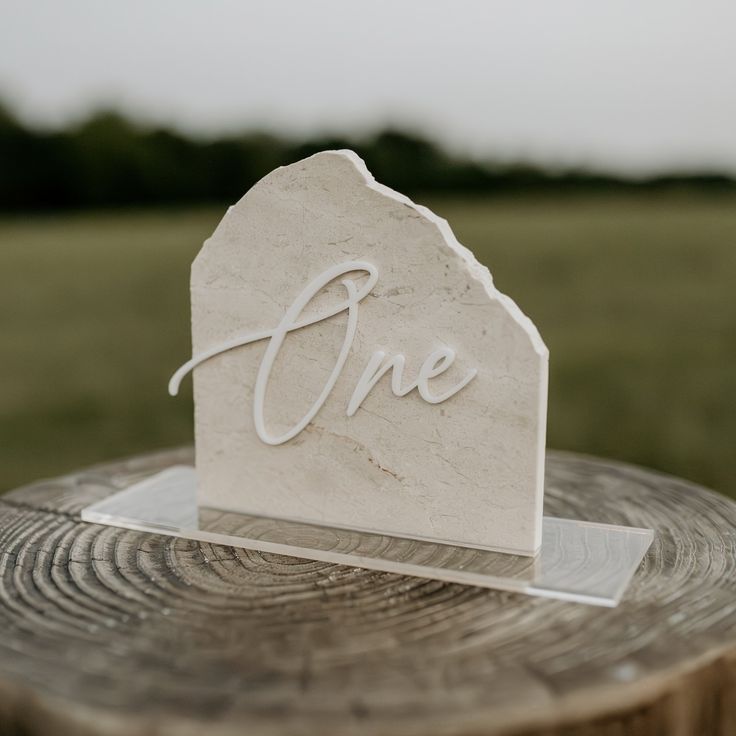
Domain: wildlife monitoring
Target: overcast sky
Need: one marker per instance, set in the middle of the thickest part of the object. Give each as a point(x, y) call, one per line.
point(637, 85)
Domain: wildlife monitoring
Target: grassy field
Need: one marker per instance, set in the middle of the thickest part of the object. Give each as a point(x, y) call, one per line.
point(635, 297)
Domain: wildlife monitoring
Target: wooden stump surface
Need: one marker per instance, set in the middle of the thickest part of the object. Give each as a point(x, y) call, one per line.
point(108, 631)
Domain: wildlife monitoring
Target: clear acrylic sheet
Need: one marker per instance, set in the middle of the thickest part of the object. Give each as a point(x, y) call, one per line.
point(578, 561)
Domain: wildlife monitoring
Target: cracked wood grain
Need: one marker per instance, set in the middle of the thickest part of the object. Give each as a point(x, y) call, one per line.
point(110, 632)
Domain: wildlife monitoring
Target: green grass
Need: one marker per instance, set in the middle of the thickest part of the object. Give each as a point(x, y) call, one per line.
point(635, 297)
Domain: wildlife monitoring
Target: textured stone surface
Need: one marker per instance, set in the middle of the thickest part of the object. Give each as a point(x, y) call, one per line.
point(468, 470)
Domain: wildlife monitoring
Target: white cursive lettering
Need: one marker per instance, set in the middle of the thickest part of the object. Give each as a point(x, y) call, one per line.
point(434, 365)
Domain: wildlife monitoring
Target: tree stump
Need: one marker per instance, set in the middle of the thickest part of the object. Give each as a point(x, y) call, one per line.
point(108, 631)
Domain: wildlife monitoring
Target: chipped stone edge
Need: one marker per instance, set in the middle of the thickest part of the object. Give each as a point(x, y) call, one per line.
point(476, 269)
point(482, 274)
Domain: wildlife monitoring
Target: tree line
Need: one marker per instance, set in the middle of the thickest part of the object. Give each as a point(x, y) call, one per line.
point(109, 161)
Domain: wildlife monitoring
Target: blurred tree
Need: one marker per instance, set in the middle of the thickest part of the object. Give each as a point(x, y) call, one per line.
point(110, 161)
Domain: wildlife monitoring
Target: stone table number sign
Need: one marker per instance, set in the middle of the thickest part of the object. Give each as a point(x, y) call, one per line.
point(364, 395)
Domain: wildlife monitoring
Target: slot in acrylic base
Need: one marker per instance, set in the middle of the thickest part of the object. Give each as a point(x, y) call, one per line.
point(578, 561)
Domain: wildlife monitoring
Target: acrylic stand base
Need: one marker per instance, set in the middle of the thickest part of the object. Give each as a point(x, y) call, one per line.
point(579, 560)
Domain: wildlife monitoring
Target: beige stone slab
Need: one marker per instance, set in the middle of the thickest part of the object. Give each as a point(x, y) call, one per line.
point(467, 470)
